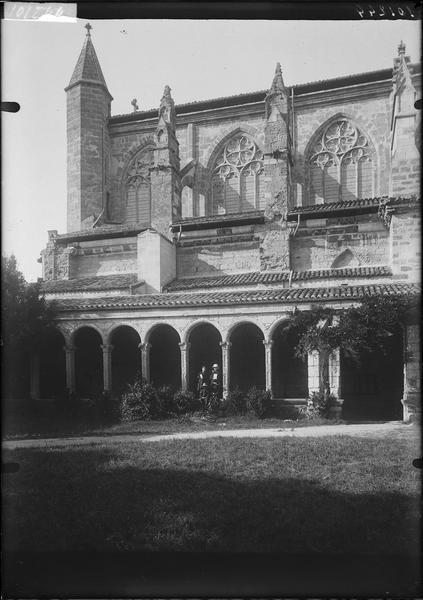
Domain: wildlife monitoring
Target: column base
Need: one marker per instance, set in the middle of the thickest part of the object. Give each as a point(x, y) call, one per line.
point(411, 406)
point(335, 408)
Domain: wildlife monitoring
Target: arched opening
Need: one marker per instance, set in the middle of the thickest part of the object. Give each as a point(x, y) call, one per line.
point(165, 357)
point(52, 365)
point(372, 388)
point(247, 366)
point(289, 373)
point(88, 363)
point(126, 357)
point(204, 350)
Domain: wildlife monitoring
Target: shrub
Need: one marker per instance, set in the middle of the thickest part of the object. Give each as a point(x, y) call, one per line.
point(165, 396)
point(318, 405)
point(184, 403)
point(259, 402)
point(289, 412)
point(140, 401)
point(235, 403)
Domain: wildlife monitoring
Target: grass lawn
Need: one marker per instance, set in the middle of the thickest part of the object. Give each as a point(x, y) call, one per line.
point(325, 495)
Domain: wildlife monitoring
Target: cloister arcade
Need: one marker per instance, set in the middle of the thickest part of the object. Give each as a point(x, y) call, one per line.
point(89, 357)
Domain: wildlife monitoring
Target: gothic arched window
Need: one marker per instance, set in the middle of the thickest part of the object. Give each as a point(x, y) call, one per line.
point(138, 189)
point(340, 164)
point(236, 176)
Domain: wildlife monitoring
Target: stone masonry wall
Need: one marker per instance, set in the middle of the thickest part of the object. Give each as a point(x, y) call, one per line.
point(218, 259)
point(87, 109)
point(197, 141)
point(405, 249)
point(317, 246)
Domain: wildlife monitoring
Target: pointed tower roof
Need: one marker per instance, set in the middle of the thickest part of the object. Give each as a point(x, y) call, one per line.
point(87, 67)
point(277, 83)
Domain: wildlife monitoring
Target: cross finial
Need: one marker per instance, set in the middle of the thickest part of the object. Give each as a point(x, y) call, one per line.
point(88, 27)
point(135, 104)
point(401, 48)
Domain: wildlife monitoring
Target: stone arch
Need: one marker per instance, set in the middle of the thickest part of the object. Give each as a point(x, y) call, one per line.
point(126, 355)
point(345, 259)
point(82, 325)
point(151, 329)
point(204, 349)
point(236, 324)
point(247, 356)
point(335, 179)
point(108, 334)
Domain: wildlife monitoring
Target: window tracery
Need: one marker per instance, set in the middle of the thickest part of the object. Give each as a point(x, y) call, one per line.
point(236, 176)
point(138, 189)
point(340, 164)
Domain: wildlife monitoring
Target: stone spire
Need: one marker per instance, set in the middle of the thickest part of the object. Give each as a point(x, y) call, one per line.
point(278, 85)
point(277, 96)
point(167, 108)
point(87, 67)
point(401, 60)
point(88, 108)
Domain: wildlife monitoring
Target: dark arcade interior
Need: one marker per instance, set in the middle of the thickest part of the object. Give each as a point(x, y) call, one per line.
point(204, 350)
point(372, 388)
point(165, 357)
point(247, 367)
point(289, 373)
point(88, 363)
point(52, 365)
point(126, 357)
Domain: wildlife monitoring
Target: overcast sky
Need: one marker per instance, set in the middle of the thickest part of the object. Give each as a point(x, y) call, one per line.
point(198, 59)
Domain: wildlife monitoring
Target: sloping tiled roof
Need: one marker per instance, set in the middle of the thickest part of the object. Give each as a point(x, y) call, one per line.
point(265, 277)
point(146, 301)
point(259, 96)
point(103, 232)
point(360, 205)
point(348, 205)
point(242, 218)
point(99, 283)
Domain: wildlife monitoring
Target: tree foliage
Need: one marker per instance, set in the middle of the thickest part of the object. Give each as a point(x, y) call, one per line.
point(357, 329)
point(25, 318)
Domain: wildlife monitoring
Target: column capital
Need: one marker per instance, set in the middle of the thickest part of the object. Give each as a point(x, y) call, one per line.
point(184, 346)
point(144, 346)
point(69, 348)
point(268, 343)
point(106, 347)
point(225, 345)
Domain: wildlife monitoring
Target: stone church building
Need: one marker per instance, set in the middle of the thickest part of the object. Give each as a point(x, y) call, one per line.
point(195, 230)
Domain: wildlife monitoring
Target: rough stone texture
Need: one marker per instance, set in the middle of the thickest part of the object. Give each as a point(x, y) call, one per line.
point(405, 244)
point(220, 258)
point(274, 246)
point(317, 249)
point(88, 106)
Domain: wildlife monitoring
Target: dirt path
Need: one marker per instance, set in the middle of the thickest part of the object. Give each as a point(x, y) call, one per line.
point(395, 429)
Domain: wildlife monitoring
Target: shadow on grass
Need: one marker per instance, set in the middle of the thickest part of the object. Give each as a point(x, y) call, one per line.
point(101, 503)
